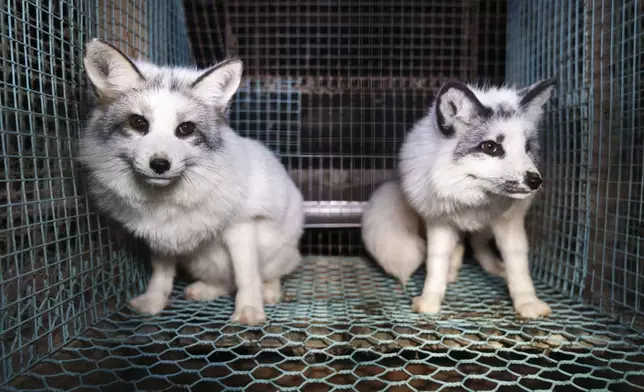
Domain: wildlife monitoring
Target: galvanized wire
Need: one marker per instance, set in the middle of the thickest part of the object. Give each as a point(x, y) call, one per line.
point(358, 75)
point(587, 229)
point(331, 87)
point(62, 268)
point(343, 325)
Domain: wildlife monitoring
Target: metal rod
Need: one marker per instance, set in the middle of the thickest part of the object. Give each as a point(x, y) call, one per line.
point(333, 214)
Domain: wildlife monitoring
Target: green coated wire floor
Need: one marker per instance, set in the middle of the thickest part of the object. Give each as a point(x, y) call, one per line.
point(343, 325)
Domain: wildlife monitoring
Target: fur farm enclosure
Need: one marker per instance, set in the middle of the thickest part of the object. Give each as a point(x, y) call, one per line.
point(332, 87)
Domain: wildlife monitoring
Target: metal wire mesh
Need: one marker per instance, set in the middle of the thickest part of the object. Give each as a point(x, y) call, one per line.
point(331, 87)
point(587, 229)
point(343, 324)
point(62, 268)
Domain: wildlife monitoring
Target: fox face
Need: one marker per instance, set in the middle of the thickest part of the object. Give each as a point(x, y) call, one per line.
point(154, 126)
point(490, 138)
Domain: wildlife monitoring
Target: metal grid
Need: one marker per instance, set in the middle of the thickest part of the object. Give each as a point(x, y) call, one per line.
point(62, 268)
point(331, 87)
point(358, 74)
point(587, 229)
point(343, 324)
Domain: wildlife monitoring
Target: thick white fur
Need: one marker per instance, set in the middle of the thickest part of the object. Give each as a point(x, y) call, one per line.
point(447, 192)
point(229, 214)
point(387, 215)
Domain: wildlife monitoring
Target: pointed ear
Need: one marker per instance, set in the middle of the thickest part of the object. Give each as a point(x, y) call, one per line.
point(457, 109)
point(219, 83)
point(535, 96)
point(110, 71)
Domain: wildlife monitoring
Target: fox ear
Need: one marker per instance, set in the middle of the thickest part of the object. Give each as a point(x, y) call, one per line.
point(457, 109)
point(535, 96)
point(110, 71)
point(218, 84)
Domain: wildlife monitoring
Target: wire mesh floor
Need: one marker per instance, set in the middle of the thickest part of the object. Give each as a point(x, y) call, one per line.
point(342, 324)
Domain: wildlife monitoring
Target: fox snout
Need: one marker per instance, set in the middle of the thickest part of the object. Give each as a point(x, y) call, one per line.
point(160, 165)
point(522, 185)
point(157, 167)
point(156, 164)
point(532, 180)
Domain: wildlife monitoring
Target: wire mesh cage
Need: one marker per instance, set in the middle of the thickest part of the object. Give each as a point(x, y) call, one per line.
point(331, 87)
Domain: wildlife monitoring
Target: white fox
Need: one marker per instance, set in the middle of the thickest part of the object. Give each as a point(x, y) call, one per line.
point(468, 167)
point(163, 162)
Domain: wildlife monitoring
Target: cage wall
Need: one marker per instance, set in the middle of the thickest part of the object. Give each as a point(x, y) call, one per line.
point(331, 87)
point(586, 229)
point(62, 268)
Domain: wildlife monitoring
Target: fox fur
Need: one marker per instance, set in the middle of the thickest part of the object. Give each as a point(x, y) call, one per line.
point(163, 162)
point(468, 168)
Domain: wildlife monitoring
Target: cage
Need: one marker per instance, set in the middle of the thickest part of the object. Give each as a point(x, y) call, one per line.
point(331, 87)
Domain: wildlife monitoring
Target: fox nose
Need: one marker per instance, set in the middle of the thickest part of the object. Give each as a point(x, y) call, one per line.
point(533, 180)
point(159, 165)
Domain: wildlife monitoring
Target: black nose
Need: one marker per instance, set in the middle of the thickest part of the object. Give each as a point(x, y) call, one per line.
point(159, 165)
point(533, 180)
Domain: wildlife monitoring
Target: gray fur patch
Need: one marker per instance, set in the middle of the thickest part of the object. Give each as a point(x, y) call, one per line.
point(533, 149)
point(504, 111)
point(168, 80)
point(470, 142)
point(214, 142)
point(176, 85)
point(111, 120)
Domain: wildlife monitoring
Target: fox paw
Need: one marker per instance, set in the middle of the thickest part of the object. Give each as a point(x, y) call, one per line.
point(149, 303)
point(532, 309)
point(429, 304)
point(200, 291)
point(272, 294)
point(248, 315)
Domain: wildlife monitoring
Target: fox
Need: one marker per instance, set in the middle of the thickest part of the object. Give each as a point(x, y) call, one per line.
point(468, 170)
point(163, 162)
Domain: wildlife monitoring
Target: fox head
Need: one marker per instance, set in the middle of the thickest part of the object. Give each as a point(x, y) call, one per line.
point(489, 137)
point(153, 126)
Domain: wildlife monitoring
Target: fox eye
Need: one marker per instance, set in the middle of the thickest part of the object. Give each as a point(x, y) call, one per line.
point(186, 129)
point(138, 123)
point(491, 148)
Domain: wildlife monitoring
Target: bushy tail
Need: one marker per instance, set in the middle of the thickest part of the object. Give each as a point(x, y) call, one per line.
point(390, 232)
